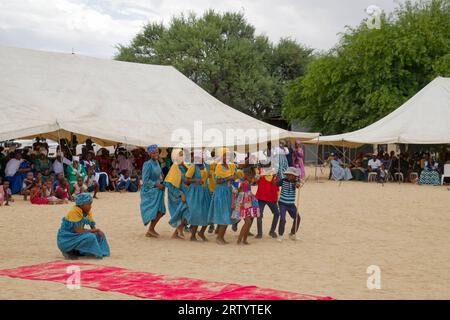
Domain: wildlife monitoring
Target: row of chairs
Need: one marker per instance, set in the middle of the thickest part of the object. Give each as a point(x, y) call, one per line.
point(412, 176)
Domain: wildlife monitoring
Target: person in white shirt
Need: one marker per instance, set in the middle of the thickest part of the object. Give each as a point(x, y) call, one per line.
point(374, 165)
point(58, 164)
point(14, 173)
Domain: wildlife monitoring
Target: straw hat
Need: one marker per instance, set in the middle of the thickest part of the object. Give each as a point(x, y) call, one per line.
point(292, 170)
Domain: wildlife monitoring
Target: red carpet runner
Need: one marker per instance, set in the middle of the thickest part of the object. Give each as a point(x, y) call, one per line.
point(149, 285)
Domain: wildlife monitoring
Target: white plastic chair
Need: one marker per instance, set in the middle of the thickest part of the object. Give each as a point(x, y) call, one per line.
point(400, 176)
point(372, 176)
point(446, 173)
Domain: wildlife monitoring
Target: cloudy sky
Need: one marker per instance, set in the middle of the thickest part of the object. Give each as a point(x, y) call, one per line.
point(93, 27)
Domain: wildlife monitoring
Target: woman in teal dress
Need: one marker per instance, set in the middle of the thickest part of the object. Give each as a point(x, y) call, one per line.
point(198, 197)
point(152, 192)
point(220, 209)
point(73, 239)
point(175, 184)
point(339, 171)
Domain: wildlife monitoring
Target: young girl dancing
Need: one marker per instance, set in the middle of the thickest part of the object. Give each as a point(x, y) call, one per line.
point(245, 206)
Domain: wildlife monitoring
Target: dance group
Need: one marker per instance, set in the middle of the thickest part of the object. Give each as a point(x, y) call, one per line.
point(200, 194)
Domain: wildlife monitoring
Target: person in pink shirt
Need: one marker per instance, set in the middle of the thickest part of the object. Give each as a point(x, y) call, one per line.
point(298, 159)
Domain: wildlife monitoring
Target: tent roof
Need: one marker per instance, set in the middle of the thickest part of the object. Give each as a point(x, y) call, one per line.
point(423, 119)
point(53, 94)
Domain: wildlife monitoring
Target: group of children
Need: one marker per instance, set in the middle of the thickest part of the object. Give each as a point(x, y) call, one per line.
point(218, 193)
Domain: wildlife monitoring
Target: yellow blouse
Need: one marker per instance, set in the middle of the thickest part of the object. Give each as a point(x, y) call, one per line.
point(76, 214)
point(211, 180)
point(203, 172)
point(174, 175)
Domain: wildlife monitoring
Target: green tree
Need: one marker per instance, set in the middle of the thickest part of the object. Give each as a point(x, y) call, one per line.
point(371, 72)
point(222, 54)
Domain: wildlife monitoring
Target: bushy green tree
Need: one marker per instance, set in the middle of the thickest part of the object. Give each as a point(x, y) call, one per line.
point(222, 54)
point(371, 72)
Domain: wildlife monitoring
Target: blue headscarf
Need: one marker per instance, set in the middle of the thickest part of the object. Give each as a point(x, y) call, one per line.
point(83, 198)
point(152, 148)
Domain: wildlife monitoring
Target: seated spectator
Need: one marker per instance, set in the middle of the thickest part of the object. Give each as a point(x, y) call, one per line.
point(60, 163)
point(36, 196)
point(374, 165)
point(62, 190)
point(27, 185)
point(100, 177)
point(39, 178)
point(383, 173)
point(359, 172)
point(91, 182)
point(5, 194)
point(2, 162)
point(79, 187)
point(125, 183)
point(16, 171)
point(430, 174)
point(135, 181)
point(74, 171)
point(113, 180)
point(49, 193)
point(104, 161)
point(43, 165)
point(339, 171)
point(386, 161)
point(122, 161)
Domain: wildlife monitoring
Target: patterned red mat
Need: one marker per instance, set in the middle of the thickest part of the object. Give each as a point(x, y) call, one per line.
point(149, 285)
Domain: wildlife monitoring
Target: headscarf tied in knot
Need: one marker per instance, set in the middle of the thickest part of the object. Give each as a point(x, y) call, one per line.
point(174, 175)
point(83, 198)
point(152, 148)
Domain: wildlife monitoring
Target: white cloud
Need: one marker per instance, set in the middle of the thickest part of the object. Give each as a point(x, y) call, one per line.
point(93, 27)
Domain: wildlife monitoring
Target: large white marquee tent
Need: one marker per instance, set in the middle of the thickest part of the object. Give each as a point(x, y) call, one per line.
point(54, 94)
point(423, 119)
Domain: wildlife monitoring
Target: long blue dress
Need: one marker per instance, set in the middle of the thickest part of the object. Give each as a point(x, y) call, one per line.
point(152, 198)
point(338, 172)
point(84, 243)
point(16, 181)
point(178, 209)
point(198, 199)
point(220, 209)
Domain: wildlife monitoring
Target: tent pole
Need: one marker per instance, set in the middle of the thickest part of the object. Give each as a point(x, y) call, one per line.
point(317, 159)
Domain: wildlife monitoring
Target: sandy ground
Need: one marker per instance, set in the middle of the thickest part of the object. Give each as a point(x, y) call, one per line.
point(403, 229)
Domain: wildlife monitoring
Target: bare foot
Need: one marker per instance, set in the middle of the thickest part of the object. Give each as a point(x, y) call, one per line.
point(221, 241)
point(152, 234)
point(245, 242)
point(177, 236)
point(95, 197)
point(193, 238)
point(202, 236)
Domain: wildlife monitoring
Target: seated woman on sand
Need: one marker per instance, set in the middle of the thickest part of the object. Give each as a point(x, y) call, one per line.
point(339, 171)
point(73, 239)
point(430, 174)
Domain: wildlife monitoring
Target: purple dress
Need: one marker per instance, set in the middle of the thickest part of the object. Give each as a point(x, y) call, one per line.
point(298, 161)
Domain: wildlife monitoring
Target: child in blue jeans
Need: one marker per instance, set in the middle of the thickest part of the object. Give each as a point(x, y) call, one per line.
point(286, 202)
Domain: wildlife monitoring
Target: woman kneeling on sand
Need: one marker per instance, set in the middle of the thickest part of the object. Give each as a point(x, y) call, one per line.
point(152, 192)
point(73, 240)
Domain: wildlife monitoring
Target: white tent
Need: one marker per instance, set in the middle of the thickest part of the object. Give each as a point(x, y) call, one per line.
point(423, 119)
point(53, 95)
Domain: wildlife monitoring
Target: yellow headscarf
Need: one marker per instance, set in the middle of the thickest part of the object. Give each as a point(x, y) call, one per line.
point(223, 173)
point(76, 214)
point(174, 174)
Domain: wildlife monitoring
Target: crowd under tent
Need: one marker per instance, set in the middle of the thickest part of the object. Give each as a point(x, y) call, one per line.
point(55, 95)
